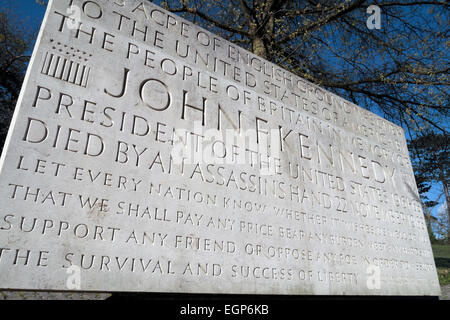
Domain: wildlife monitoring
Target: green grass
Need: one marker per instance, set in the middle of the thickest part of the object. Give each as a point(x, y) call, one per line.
point(441, 254)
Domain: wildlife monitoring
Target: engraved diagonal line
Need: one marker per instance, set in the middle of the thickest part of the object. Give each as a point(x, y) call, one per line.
point(45, 62)
point(76, 72)
point(49, 64)
point(69, 71)
point(87, 77)
point(56, 66)
point(62, 69)
point(82, 76)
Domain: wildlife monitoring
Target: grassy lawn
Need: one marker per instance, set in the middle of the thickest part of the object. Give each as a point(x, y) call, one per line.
point(441, 254)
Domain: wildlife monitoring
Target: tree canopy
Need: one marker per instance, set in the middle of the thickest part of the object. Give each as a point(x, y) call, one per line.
point(400, 70)
point(431, 161)
point(15, 42)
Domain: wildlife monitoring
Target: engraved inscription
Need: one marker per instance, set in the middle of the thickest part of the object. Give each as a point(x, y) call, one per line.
point(66, 63)
point(151, 155)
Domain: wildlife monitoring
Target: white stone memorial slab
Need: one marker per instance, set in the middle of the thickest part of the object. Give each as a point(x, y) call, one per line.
point(149, 155)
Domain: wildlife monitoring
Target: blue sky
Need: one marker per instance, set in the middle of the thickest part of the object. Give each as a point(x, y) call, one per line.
point(26, 11)
point(26, 8)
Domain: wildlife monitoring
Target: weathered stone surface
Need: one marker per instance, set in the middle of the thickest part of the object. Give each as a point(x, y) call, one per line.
point(121, 173)
point(24, 295)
